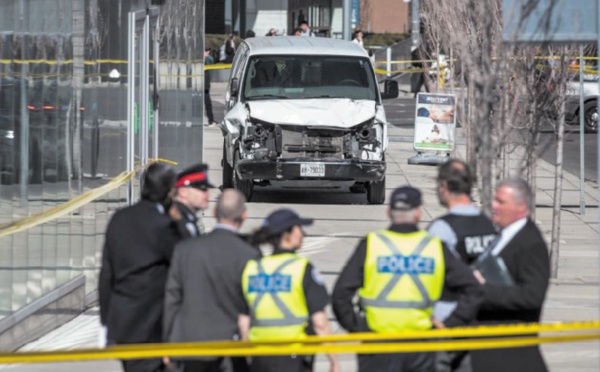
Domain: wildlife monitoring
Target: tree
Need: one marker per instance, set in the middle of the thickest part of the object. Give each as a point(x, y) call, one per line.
point(512, 93)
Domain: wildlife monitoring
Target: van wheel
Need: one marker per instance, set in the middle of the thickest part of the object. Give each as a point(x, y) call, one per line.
point(376, 192)
point(590, 117)
point(227, 170)
point(244, 186)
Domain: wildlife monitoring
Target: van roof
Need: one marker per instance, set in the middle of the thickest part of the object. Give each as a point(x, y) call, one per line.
point(303, 45)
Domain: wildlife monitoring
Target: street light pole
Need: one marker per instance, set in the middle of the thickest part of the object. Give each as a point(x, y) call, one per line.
point(347, 21)
point(416, 22)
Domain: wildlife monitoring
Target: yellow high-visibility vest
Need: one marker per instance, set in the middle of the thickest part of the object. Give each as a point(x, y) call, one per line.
point(273, 290)
point(403, 277)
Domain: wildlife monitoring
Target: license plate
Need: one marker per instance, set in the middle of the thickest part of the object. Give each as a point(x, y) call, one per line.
point(312, 170)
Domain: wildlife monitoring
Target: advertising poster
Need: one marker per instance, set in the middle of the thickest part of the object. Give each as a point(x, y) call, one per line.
point(435, 122)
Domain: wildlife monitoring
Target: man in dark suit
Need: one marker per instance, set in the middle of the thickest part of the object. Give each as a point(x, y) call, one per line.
point(204, 291)
point(525, 254)
point(135, 260)
point(191, 197)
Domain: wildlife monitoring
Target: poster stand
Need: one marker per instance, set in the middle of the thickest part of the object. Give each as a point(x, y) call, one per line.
point(435, 128)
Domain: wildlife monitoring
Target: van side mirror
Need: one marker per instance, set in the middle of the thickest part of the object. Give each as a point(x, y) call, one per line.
point(390, 89)
point(234, 88)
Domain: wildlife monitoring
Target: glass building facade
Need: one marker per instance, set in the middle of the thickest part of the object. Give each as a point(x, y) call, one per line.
point(63, 127)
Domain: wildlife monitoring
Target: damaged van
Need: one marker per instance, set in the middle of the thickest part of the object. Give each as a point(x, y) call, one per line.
point(305, 112)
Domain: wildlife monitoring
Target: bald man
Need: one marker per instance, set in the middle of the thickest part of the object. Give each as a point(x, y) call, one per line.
point(204, 291)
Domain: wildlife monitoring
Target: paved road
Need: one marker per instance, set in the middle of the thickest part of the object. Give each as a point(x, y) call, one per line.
point(571, 152)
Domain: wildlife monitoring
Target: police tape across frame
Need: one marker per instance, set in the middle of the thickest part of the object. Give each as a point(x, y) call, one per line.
point(326, 344)
point(75, 203)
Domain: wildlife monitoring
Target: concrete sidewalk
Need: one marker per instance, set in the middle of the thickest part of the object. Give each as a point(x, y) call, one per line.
point(573, 296)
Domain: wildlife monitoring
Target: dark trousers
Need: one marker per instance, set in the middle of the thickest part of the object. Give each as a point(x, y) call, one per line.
point(202, 366)
point(208, 106)
point(239, 364)
point(404, 362)
point(295, 363)
point(142, 365)
point(420, 84)
point(233, 364)
point(453, 361)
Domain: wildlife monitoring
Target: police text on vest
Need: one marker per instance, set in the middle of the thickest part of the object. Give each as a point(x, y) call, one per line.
point(399, 264)
point(264, 283)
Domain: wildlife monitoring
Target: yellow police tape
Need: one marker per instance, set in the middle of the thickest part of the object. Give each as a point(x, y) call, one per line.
point(331, 344)
point(73, 204)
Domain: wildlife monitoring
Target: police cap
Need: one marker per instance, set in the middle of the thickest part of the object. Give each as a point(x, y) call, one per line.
point(283, 219)
point(405, 198)
point(195, 176)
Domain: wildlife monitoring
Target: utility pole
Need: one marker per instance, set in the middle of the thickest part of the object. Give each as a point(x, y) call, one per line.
point(347, 21)
point(416, 22)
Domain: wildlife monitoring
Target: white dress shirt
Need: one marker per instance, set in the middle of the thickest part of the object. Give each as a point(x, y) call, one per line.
point(507, 234)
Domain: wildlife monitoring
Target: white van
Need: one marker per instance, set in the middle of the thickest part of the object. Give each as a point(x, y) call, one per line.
point(305, 112)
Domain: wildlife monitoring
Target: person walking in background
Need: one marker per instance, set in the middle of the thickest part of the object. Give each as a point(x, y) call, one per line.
point(191, 197)
point(204, 292)
point(522, 248)
point(272, 32)
point(466, 231)
point(285, 293)
point(208, 60)
point(305, 30)
point(358, 38)
point(417, 55)
point(136, 256)
point(390, 304)
point(227, 50)
point(250, 34)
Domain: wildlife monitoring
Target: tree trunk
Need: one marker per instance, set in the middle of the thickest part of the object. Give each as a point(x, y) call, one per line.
point(556, 208)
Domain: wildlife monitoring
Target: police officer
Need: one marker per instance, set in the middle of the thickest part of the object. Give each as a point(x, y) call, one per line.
point(284, 292)
point(466, 231)
point(399, 273)
point(192, 196)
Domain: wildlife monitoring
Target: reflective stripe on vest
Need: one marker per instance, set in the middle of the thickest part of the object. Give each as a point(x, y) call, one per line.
point(289, 317)
point(273, 290)
point(403, 276)
point(381, 301)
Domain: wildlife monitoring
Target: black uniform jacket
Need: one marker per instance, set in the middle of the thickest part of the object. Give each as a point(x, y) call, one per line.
point(526, 258)
point(188, 225)
point(204, 290)
point(457, 276)
point(137, 252)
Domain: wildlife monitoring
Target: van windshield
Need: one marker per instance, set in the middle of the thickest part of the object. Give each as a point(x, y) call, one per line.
point(309, 76)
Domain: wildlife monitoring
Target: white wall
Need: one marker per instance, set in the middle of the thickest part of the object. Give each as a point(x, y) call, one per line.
point(262, 15)
point(337, 18)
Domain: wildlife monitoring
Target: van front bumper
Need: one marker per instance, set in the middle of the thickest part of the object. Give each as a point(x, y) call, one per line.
point(289, 169)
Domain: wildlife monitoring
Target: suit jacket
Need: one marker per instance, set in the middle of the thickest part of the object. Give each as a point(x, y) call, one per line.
point(204, 290)
point(137, 252)
point(526, 258)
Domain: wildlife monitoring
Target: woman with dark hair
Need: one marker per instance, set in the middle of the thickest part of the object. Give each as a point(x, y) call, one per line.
point(285, 294)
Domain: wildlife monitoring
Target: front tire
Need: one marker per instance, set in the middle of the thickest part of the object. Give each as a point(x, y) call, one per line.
point(227, 170)
point(244, 186)
point(590, 118)
point(376, 192)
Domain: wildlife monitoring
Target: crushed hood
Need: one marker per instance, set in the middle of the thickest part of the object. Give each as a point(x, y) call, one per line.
point(333, 112)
